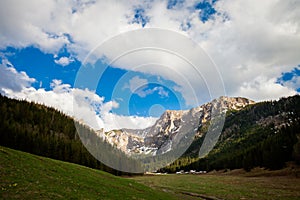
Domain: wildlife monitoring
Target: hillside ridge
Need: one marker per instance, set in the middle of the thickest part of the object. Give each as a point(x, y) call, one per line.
point(170, 127)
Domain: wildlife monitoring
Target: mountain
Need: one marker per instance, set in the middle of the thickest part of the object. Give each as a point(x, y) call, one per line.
point(171, 128)
point(265, 134)
point(226, 133)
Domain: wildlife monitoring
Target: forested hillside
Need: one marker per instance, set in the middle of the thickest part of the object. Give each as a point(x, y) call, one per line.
point(47, 132)
point(265, 134)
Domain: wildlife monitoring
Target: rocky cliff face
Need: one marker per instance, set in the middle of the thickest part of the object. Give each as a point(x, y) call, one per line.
point(171, 128)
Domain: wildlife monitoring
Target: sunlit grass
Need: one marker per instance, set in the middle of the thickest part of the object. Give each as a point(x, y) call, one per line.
point(26, 176)
point(227, 186)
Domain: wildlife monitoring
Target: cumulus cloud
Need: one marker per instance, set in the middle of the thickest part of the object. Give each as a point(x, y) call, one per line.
point(291, 79)
point(143, 92)
point(293, 83)
point(139, 86)
point(251, 42)
point(39, 23)
point(242, 43)
point(160, 90)
point(64, 61)
point(262, 88)
point(12, 79)
point(114, 121)
point(170, 55)
point(246, 41)
point(135, 83)
point(82, 104)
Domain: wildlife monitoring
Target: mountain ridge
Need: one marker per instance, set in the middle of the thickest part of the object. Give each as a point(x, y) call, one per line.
point(265, 134)
point(168, 129)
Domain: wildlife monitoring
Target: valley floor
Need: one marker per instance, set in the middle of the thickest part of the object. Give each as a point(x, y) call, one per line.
point(236, 184)
point(27, 176)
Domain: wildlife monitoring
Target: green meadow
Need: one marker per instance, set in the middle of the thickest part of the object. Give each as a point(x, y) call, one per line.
point(223, 186)
point(27, 176)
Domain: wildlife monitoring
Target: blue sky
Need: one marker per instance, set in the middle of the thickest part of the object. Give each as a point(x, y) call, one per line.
point(44, 46)
point(291, 78)
point(43, 68)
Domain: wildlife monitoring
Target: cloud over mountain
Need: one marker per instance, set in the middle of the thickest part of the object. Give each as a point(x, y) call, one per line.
point(250, 43)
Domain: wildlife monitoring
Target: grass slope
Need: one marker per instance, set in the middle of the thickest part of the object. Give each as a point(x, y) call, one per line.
point(27, 176)
point(220, 186)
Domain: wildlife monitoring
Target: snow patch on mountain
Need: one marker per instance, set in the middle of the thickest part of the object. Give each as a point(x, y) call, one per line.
point(172, 129)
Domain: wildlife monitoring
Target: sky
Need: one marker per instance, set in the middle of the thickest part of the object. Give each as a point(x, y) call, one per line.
point(121, 64)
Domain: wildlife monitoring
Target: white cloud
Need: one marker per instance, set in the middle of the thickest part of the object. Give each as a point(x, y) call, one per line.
point(12, 79)
point(170, 55)
point(39, 23)
point(257, 39)
point(262, 88)
point(143, 92)
point(114, 121)
point(294, 83)
point(161, 91)
point(139, 86)
point(64, 61)
point(135, 83)
point(84, 105)
point(253, 42)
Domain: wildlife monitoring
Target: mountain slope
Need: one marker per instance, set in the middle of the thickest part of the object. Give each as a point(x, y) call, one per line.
point(266, 134)
point(172, 127)
point(47, 132)
point(27, 176)
point(263, 134)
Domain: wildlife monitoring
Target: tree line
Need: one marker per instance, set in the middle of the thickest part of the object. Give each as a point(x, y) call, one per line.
point(45, 131)
point(265, 134)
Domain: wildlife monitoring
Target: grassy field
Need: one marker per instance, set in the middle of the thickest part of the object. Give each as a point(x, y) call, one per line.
point(222, 186)
point(26, 176)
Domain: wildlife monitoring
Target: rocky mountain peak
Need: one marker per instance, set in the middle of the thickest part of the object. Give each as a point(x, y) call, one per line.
point(235, 103)
point(170, 128)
